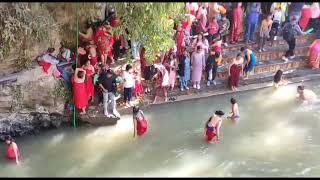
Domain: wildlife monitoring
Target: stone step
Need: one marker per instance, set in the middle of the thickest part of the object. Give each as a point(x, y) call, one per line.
point(279, 41)
point(270, 54)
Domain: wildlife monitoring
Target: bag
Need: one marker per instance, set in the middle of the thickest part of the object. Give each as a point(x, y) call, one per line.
point(288, 32)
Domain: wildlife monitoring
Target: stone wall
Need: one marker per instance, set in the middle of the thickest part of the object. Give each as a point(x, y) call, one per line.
point(28, 103)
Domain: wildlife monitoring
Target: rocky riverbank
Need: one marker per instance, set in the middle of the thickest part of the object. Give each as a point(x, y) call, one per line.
point(29, 103)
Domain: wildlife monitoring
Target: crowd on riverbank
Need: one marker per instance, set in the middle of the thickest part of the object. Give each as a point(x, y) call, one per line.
point(200, 39)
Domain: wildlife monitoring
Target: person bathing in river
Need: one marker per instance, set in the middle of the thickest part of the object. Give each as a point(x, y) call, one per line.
point(235, 116)
point(305, 95)
point(278, 79)
point(140, 123)
point(212, 127)
point(12, 150)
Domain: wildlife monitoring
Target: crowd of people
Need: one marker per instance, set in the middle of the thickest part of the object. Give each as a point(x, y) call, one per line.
point(200, 39)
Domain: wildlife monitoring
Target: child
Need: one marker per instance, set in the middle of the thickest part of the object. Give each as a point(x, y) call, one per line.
point(265, 31)
point(128, 85)
point(235, 116)
point(138, 89)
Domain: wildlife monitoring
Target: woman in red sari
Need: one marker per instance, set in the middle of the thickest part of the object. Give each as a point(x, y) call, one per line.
point(89, 79)
point(80, 96)
point(180, 40)
point(236, 26)
point(306, 14)
point(140, 122)
point(103, 39)
point(235, 69)
point(314, 54)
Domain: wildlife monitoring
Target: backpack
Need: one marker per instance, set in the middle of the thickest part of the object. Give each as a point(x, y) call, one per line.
point(288, 32)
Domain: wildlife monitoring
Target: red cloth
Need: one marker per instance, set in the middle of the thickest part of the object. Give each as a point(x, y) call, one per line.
point(314, 54)
point(213, 27)
point(235, 71)
point(210, 135)
point(184, 24)
point(80, 96)
point(45, 65)
point(142, 127)
point(103, 40)
point(10, 153)
point(138, 87)
point(94, 60)
point(114, 21)
point(217, 48)
point(89, 83)
point(179, 41)
point(306, 14)
point(236, 25)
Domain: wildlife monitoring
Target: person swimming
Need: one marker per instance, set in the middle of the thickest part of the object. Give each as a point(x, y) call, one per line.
point(140, 123)
point(235, 116)
point(278, 79)
point(212, 127)
point(12, 150)
point(305, 95)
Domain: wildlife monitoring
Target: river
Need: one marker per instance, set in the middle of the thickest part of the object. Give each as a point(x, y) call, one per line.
point(274, 137)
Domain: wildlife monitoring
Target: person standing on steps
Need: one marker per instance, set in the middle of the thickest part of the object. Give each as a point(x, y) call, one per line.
point(250, 61)
point(235, 69)
point(264, 32)
point(212, 63)
point(197, 66)
point(224, 25)
point(236, 23)
point(128, 85)
point(173, 65)
point(276, 23)
point(289, 32)
point(184, 70)
point(253, 13)
point(80, 96)
point(107, 82)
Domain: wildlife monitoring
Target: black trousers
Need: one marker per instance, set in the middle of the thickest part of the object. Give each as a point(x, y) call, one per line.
point(292, 45)
point(127, 94)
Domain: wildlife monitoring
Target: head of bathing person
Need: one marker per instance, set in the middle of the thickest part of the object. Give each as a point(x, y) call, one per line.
point(80, 74)
point(8, 140)
point(278, 75)
point(198, 49)
point(300, 89)
point(135, 110)
point(219, 113)
point(242, 49)
point(233, 101)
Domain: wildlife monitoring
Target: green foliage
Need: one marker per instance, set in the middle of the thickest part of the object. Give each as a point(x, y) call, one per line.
point(24, 24)
point(149, 24)
point(63, 90)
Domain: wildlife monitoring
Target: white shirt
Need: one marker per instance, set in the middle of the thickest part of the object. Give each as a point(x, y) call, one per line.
point(277, 16)
point(128, 80)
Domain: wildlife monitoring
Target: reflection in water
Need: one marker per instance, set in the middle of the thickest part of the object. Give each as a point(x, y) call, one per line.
point(275, 137)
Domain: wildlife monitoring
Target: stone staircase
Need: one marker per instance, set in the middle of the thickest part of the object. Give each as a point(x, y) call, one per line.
point(269, 61)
